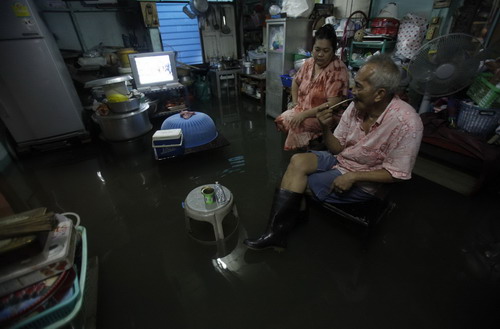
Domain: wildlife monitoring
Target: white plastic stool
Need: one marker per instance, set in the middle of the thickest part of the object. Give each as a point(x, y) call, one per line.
point(195, 208)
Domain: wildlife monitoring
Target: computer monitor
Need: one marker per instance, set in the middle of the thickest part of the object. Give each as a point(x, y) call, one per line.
point(153, 70)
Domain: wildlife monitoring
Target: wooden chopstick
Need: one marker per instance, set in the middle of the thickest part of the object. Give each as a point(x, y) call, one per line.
point(342, 102)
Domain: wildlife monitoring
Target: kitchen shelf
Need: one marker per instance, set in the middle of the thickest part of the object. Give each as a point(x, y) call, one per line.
point(256, 80)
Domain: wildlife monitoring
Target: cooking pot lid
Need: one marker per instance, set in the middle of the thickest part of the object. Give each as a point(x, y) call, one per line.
point(107, 81)
point(114, 116)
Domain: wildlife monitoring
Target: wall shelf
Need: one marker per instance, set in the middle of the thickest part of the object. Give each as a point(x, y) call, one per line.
point(361, 48)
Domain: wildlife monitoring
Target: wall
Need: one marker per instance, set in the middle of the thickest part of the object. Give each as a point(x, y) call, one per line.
point(218, 44)
point(81, 27)
point(343, 8)
point(421, 8)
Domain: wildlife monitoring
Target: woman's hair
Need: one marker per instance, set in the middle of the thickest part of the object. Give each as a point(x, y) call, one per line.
point(326, 32)
point(387, 74)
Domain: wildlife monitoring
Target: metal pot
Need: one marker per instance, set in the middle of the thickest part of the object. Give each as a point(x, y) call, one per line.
point(120, 127)
point(123, 107)
point(247, 67)
point(195, 8)
point(198, 6)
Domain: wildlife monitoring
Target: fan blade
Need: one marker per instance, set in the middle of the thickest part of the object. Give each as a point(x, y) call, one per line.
point(445, 65)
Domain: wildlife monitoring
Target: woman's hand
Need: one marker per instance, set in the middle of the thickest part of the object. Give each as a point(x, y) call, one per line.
point(297, 120)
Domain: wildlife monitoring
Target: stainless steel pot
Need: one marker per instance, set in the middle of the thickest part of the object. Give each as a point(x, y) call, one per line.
point(120, 127)
point(198, 6)
point(123, 107)
point(195, 8)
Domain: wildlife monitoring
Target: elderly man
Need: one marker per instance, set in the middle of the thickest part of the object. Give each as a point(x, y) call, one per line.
point(376, 142)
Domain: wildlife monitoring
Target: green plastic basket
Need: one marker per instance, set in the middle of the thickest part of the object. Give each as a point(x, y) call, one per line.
point(296, 57)
point(482, 92)
point(62, 313)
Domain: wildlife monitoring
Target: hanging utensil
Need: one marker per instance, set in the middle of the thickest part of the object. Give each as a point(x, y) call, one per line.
point(201, 22)
point(224, 29)
point(215, 20)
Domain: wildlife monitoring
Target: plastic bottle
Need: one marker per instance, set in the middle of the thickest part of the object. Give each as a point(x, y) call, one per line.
point(219, 193)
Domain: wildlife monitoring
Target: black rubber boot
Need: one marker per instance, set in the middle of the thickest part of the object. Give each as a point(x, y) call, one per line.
point(303, 214)
point(283, 217)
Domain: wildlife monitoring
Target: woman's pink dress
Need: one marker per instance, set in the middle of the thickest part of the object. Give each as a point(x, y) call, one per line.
point(333, 81)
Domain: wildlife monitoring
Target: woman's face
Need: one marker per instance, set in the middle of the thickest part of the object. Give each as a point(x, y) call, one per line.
point(323, 52)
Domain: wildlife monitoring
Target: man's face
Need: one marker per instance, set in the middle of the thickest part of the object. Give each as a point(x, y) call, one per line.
point(363, 92)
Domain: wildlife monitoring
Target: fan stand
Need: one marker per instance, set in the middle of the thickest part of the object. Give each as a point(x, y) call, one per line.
point(443, 72)
point(424, 106)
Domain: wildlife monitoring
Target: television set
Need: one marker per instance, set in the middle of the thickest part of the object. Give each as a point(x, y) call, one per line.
point(154, 70)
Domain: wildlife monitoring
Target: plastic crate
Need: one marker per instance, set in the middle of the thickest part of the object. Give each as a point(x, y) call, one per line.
point(477, 120)
point(482, 92)
point(286, 80)
point(62, 313)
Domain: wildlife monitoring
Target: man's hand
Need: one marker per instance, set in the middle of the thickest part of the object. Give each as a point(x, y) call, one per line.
point(343, 183)
point(325, 116)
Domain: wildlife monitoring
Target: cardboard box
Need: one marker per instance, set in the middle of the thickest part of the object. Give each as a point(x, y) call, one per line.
point(168, 143)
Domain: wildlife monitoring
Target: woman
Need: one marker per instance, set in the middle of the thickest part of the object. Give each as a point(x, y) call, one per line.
point(321, 82)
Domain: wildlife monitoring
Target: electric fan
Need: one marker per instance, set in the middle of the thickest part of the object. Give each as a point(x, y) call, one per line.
point(444, 66)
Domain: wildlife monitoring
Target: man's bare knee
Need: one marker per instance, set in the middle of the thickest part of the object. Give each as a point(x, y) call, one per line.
point(303, 163)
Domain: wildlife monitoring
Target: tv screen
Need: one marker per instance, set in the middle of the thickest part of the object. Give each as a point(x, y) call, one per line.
point(153, 69)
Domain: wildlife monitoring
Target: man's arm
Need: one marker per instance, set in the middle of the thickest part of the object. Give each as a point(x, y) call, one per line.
point(345, 181)
point(326, 118)
point(311, 113)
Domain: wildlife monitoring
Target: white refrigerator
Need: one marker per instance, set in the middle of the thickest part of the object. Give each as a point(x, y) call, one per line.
point(38, 101)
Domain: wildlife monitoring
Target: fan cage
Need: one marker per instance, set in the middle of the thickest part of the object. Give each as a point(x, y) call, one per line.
point(445, 65)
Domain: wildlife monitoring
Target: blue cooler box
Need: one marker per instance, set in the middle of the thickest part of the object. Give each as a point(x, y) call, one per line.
point(168, 143)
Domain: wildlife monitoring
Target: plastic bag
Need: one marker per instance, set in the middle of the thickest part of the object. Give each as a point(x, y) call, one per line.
point(298, 8)
point(410, 36)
